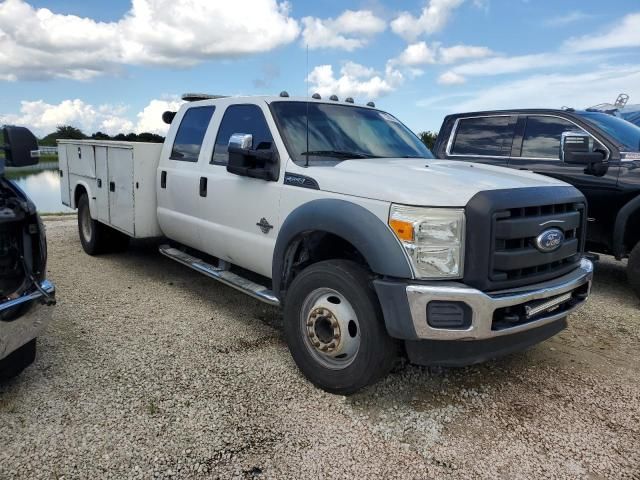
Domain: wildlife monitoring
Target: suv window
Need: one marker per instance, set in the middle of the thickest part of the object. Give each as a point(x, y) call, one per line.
point(188, 142)
point(488, 136)
point(542, 136)
point(241, 119)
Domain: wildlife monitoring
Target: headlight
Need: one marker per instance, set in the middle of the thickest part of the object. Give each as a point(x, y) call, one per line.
point(433, 239)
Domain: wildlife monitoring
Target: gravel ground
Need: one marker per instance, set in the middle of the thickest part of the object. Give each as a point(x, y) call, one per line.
point(151, 370)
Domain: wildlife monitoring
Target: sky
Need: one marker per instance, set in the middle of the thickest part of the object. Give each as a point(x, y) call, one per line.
point(116, 66)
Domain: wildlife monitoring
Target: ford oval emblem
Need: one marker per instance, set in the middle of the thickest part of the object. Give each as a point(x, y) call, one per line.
point(549, 240)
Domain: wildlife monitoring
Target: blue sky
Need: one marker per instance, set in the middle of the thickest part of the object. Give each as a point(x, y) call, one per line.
point(116, 65)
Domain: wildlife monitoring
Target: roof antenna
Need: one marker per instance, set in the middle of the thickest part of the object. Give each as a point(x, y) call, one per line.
point(307, 84)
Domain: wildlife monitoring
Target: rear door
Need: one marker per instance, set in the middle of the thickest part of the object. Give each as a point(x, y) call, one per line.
point(179, 178)
point(483, 139)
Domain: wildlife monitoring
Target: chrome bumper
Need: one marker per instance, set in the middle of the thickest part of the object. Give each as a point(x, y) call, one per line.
point(24, 328)
point(483, 305)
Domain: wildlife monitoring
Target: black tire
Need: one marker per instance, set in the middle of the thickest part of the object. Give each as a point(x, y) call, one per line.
point(633, 269)
point(12, 365)
point(376, 352)
point(95, 237)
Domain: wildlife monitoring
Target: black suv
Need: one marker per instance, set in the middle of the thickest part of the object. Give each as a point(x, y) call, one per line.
point(596, 152)
point(23, 259)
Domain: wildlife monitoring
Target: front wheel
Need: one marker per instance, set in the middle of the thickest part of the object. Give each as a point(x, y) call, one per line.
point(334, 327)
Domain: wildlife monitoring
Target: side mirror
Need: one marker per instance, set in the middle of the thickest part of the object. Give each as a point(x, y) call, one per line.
point(576, 149)
point(245, 161)
point(21, 149)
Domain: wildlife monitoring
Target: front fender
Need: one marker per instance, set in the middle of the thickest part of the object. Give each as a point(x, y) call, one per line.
point(620, 227)
point(355, 224)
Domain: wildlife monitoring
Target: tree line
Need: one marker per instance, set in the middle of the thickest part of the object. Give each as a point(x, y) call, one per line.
point(67, 132)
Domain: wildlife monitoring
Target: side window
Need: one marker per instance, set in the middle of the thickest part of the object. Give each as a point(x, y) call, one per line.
point(188, 142)
point(488, 136)
point(542, 136)
point(241, 119)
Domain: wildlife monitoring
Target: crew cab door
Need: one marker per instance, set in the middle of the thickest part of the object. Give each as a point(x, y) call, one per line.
point(179, 177)
point(239, 214)
point(482, 139)
point(536, 147)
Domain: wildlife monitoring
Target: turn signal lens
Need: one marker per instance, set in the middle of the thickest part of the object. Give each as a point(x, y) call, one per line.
point(404, 230)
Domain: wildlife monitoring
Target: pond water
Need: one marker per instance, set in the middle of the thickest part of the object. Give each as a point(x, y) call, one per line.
point(42, 184)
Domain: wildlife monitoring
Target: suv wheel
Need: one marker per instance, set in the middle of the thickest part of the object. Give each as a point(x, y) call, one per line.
point(633, 269)
point(334, 327)
point(13, 364)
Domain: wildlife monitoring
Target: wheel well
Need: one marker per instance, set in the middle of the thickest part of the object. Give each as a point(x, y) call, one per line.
point(312, 247)
point(632, 231)
point(80, 190)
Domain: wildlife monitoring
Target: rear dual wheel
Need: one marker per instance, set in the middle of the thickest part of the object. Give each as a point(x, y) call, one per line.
point(96, 237)
point(334, 327)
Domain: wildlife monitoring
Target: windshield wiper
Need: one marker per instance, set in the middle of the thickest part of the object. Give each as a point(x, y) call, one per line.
point(337, 154)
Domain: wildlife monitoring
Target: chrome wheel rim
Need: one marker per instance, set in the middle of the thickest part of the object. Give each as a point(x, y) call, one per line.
point(85, 224)
point(330, 328)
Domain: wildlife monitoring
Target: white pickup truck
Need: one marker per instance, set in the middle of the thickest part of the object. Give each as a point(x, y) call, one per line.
point(339, 214)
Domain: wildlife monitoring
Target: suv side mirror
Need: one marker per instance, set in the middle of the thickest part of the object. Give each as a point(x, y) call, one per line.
point(21, 147)
point(248, 162)
point(575, 149)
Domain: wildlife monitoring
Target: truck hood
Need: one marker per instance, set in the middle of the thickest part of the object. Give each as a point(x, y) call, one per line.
point(425, 182)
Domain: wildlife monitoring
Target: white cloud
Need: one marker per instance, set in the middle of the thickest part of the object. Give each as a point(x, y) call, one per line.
point(462, 52)
point(567, 19)
point(38, 43)
point(355, 80)
point(451, 78)
point(623, 34)
point(556, 90)
point(417, 54)
point(43, 118)
point(521, 63)
point(351, 30)
point(433, 17)
point(150, 118)
point(421, 54)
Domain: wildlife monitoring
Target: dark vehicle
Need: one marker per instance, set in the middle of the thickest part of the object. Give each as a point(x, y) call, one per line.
point(596, 152)
point(23, 258)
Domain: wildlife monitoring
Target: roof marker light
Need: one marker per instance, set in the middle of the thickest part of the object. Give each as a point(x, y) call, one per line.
point(349, 100)
point(284, 94)
point(316, 96)
point(333, 98)
point(371, 104)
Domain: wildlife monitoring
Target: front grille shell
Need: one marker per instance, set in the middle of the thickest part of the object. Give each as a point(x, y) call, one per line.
point(501, 227)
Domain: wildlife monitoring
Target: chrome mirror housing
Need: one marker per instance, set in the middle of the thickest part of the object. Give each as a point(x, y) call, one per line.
point(241, 140)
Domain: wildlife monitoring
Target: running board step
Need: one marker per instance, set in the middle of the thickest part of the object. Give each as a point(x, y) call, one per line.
point(231, 279)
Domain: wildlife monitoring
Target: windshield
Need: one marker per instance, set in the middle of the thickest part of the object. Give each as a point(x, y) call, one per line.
point(627, 134)
point(340, 132)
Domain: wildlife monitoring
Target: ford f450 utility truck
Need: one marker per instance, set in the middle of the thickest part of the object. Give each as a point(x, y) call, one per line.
point(339, 214)
point(23, 259)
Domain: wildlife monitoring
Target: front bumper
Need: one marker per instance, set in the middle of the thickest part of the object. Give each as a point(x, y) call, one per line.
point(405, 306)
point(21, 320)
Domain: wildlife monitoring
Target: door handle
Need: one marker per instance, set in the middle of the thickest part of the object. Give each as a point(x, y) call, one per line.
point(163, 179)
point(203, 186)
point(112, 186)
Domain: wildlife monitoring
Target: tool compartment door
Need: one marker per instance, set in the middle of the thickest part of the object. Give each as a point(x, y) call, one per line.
point(102, 187)
point(63, 166)
point(120, 188)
